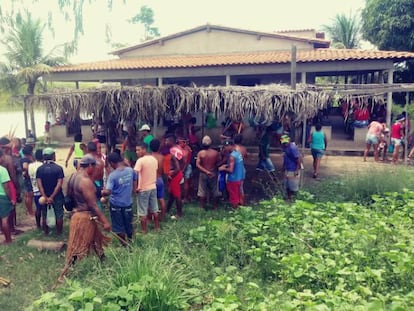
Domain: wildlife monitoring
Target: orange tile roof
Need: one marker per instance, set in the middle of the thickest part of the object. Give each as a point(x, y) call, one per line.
point(250, 58)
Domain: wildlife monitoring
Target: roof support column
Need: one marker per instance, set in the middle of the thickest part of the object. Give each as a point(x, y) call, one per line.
point(303, 81)
point(390, 73)
point(228, 80)
point(155, 127)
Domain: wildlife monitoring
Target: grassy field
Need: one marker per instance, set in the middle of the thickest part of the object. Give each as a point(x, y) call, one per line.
point(350, 252)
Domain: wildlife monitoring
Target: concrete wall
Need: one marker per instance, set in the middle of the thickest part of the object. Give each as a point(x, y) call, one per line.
point(216, 42)
point(58, 134)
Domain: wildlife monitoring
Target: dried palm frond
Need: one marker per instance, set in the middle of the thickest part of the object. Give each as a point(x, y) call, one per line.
point(144, 103)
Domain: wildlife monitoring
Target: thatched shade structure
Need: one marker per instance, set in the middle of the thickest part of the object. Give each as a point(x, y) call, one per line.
point(147, 102)
point(262, 103)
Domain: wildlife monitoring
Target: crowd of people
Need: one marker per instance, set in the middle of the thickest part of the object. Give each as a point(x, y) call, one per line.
point(392, 141)
point(108, 189)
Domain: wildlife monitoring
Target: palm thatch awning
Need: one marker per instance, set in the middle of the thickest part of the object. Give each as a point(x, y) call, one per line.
point(261, 102)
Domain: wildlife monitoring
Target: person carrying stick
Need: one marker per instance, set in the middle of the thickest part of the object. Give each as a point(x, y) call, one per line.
point(84, 233)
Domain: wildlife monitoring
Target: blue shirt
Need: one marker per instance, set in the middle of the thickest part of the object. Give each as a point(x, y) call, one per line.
point(120, 182)
point(238, 169)
point(318, 140)
point(290, 157)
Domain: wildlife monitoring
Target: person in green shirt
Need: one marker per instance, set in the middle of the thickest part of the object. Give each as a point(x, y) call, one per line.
point(7, 203)
point(146, 136)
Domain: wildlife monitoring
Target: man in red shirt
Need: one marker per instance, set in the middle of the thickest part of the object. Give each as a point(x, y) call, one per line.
point(397, 134)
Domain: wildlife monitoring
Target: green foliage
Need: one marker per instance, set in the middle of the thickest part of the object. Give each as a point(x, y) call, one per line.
point(26, 60)
point(389, 24)
point(349, 252)
point(146, 18)
point(344, 31)
point(360, 186)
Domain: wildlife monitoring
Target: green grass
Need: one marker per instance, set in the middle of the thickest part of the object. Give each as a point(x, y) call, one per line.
point(360, 186)
point(272, 256)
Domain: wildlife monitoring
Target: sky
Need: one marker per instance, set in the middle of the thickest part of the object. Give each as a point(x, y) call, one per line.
point(173, 16)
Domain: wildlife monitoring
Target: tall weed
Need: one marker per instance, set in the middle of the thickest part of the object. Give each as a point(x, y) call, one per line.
point(359, 187)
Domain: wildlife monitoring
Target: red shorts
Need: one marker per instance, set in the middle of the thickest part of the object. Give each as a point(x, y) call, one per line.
point(174, 187)
point(233, 188)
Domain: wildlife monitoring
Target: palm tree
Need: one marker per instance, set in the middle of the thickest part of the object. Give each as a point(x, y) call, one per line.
point(344, 31)
point(26, 62)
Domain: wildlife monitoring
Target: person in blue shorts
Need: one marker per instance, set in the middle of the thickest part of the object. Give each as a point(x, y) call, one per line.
point(122, 182)
point(318, 144)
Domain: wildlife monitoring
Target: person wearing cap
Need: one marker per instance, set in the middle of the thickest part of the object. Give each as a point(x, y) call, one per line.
point(175, 174)
point(235, 172)
point(7, 201)
point(8, 163)
point(207, 160)
point(128, 147)
point(291, 164)
point(397, 134)
point(49, 177)
point(120, 186)
point(146, 136)
point(146, 168)
point(84, 233)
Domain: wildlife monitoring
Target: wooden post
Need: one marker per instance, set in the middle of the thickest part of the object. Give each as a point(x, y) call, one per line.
point(32, 121)
point(389, 98)
point(293, 68)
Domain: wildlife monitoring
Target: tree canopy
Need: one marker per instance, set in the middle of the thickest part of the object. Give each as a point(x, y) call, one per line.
point(344, 31)
point(26, 60)
point(389, 24)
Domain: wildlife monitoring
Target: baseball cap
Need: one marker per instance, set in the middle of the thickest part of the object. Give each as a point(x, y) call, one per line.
point(4, 141)
point(48, 151)
point(401, 117)
point(206, 141)
point(284, 139)
point(145, 127)
point(87, 160)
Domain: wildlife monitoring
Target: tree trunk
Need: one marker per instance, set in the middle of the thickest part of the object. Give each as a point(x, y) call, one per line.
point(26, 126)
point(30, 91)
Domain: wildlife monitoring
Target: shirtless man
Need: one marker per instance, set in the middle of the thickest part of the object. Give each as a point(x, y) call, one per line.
point(7, 162)
point(207, 160)
point(175, 175)
point(84, 234)
point(155, 152)
point(98, 173)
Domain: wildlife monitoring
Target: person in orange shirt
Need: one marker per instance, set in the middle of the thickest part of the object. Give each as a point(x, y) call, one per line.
point(146, 167)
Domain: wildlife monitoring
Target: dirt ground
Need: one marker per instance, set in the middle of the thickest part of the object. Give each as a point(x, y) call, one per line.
point(258, 185)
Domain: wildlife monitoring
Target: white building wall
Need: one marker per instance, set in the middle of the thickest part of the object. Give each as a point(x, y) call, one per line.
point(215, 42)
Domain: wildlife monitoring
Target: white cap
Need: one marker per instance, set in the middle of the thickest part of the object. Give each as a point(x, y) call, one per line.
point(145, 127)
point(206, 141)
